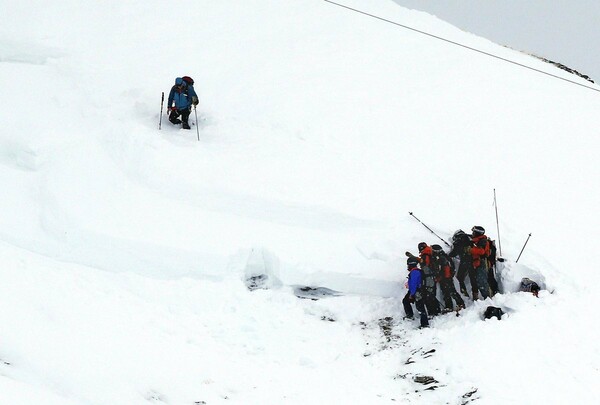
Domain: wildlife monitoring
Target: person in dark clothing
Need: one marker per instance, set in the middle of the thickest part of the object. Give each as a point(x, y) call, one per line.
point(460, 242)
point(445, 274)
point(528, 285)
point(492, 259)
point(181, 98)
point(429, 289)
point(414, 285)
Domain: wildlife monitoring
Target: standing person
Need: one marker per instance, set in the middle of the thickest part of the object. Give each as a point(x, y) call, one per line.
point(480, 251)
point(414, 295)
point(429, 284)
point(460, 242)
point(492, 259)
point(445, 274)
point(181, 99)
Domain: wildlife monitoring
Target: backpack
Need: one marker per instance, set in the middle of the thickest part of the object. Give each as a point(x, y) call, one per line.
point(188, 80)
point(491, 312)
point(427, 277)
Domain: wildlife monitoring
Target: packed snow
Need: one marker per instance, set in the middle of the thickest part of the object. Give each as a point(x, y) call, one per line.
point(126, 250)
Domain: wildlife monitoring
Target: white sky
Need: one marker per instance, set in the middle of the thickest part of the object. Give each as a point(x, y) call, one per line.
point(560, 30)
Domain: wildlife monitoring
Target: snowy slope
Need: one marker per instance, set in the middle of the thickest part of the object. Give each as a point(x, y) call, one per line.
point(125, 248)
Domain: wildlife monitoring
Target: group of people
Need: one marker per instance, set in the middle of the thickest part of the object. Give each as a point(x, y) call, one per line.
point(476, 257)
point(181, 98)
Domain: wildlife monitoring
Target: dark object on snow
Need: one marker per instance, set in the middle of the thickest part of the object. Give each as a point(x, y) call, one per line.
point(257, 282)
point(528, 285)
point(491, 312)
point(314, 293)
point(566, 68)
point(425, 379)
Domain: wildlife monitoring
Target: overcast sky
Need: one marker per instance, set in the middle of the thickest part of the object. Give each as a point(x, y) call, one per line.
point(565, 31)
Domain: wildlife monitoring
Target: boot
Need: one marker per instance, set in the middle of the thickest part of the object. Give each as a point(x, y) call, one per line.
point(173, 117)
point(475, 296)
point(186, 125)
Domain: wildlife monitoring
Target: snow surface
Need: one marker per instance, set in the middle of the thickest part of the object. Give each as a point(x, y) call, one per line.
point(124, 249)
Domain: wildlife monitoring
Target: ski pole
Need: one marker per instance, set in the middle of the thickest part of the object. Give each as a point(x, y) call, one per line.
point(497, 224)
point(517, 261)
point(162, 100)
point(446, 243)
point(197, 130)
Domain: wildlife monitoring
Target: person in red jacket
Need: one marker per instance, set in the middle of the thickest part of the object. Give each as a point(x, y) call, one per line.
point(480, 251)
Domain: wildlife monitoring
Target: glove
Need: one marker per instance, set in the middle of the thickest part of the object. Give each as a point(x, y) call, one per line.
point(171, 109)
point(408, 254)
point(411, 299)
point(195, 100)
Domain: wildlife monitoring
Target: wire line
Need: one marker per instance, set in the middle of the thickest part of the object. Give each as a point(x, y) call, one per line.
point(462, 45)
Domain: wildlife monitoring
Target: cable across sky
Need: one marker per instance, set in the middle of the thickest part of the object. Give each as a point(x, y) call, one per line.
point(461, 45)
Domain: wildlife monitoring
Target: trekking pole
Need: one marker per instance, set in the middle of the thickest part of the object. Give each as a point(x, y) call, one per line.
point(162, 100)
point(197, 130)
point(446, 243)
point(497, 224)
point(517, 261)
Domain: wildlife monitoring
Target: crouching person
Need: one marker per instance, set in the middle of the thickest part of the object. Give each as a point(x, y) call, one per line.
point(414, 292)
point(528, 285)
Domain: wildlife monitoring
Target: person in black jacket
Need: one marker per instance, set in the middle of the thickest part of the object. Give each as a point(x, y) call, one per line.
point(445, 274)
point(460, 242)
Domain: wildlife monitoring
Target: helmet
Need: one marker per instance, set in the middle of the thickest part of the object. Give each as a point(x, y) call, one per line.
point(178, 81)
point(422, 246)
point(457, 235)
point(437, 249)
point(477, 230)
point(412, 262)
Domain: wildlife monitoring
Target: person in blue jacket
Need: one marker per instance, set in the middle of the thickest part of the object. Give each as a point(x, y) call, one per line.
point(414, 294)
point(181, 99)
